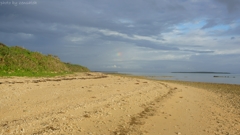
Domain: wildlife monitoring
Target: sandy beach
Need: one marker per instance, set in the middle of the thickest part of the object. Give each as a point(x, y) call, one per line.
point(104, 104)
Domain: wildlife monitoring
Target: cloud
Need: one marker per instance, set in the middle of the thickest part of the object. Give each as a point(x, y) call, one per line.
point(153, 34)
point(232, 5)
point(209, 24)
point(199, 51)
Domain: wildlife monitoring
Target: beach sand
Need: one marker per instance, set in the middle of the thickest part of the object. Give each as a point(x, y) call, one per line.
point(103, 104)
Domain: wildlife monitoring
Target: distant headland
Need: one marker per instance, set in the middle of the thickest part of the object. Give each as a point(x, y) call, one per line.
point(205, 72)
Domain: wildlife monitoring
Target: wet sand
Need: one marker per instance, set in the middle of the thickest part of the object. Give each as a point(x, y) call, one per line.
point(103, 104)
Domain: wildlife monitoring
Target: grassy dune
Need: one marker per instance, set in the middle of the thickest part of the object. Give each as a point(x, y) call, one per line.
point(18, 61)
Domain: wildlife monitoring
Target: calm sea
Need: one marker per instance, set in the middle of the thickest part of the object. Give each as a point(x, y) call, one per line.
point(194, 77)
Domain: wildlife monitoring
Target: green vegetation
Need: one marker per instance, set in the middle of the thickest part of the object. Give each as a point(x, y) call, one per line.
point(17, 61)
point(76, 68)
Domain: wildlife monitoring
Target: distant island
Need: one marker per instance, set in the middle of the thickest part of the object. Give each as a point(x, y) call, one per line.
point(205, 72)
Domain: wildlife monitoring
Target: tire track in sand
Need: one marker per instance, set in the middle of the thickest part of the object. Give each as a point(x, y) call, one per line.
point(149, 109)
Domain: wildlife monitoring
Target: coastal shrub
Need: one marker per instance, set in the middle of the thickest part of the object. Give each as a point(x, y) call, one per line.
point(19, 61)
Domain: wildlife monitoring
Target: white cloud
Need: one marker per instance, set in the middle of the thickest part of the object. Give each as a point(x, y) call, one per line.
point(25, 35)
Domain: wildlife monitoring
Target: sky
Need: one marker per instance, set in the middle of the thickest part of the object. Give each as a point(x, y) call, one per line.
point(128, 35)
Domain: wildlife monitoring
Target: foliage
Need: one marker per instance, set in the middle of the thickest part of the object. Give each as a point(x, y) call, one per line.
point(76, 68)
point(18, 61)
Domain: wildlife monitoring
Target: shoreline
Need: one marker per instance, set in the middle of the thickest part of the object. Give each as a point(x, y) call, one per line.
point(177, 81)
point(228, 92)
point(193, 77)
point(225, 91)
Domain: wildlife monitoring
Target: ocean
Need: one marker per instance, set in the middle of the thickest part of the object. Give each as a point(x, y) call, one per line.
point(193, 77)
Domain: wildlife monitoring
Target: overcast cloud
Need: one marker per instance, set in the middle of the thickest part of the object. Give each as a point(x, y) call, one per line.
point(128, 35)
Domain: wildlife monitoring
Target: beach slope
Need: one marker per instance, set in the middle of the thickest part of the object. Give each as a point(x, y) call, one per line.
point(100, 104)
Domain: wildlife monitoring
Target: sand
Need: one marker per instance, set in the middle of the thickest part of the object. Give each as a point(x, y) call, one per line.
point(103, 104)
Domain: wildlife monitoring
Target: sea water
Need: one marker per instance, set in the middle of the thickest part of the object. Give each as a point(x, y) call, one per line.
point(194, 77)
